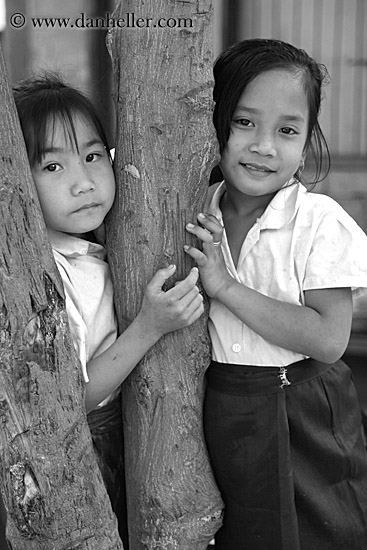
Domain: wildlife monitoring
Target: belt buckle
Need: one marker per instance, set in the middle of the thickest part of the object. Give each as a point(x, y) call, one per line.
point(283, 377)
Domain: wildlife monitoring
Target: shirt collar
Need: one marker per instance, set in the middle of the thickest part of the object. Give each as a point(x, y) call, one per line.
point(72, 247)
point(279, 212)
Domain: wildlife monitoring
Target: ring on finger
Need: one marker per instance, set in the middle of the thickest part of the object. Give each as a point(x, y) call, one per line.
point(218, 243)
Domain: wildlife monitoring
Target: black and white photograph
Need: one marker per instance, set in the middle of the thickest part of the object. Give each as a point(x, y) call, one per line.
point(183, 275)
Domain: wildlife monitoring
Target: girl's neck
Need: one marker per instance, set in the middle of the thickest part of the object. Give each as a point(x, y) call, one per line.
point(90, 236)
point(240, 213)
point(242, 205)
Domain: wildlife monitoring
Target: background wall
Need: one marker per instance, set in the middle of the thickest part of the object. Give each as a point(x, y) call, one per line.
point(79, 54)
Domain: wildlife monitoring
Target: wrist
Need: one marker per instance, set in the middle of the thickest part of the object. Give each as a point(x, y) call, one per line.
point(146, 329)
point(225, 290)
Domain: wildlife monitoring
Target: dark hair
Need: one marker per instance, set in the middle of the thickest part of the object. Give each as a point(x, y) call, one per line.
point(45, 99)
point(241, 63)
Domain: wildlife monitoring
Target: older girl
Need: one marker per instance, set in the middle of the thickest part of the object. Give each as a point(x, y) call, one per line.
point(282, 421)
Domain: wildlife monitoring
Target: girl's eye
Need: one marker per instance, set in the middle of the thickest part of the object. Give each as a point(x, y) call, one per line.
point(53, 167)
point(92, 157)
point(244, 122)
point(288, 131)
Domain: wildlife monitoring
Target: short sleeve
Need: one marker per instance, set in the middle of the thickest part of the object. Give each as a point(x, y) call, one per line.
point(338, 255)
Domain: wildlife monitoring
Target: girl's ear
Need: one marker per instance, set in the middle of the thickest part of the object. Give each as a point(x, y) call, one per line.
point(300, 169)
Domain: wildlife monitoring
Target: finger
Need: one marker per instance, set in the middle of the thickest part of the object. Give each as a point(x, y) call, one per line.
point(160, 277)
point(183, 287)
point(196, 255)
point(196, 312)
point(192, 299)
point(192, 306)
point(203, 234)
point(212, 224)
point(186, 297)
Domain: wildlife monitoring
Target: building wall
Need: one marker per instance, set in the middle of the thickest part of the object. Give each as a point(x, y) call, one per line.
point(78, 54)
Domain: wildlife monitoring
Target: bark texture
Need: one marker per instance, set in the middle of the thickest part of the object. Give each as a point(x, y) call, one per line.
point(51, 485)
point(165, 149)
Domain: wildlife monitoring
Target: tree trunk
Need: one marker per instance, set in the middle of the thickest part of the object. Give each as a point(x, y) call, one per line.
point(51, 485)
point(165, 149)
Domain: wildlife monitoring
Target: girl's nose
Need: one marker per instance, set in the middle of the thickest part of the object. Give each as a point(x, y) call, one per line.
point(263, 145)
point(82, 181)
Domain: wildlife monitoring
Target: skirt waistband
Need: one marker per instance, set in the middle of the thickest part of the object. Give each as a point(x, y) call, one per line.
point(247, 379)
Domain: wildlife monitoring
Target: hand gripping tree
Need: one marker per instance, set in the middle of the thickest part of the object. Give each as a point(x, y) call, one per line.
point(165, 148)
point(50, 482)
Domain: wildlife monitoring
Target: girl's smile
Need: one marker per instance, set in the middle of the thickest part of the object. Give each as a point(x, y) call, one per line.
point(268, 135)
point(260, 169)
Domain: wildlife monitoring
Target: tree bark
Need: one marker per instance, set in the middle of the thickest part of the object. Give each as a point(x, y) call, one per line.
point(165, 149)
point(51, 485)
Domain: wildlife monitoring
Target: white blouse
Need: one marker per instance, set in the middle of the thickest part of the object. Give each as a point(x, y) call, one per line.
point(302, 241)
point(89, 296)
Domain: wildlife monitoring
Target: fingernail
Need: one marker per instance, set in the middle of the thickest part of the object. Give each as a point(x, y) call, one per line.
point(172, 266)
point(186, 247)
point(201, 215)
point(190, 225)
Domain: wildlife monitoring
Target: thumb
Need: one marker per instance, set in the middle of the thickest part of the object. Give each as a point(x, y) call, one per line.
point(161, 276)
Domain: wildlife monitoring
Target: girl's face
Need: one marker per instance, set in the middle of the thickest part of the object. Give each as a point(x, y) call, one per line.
point(268, 135)
point(75, 189)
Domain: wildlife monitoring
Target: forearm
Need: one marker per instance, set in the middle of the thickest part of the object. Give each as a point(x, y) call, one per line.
point(109, 369)
point(161, 312)
point(319, 329)
point(303, 329)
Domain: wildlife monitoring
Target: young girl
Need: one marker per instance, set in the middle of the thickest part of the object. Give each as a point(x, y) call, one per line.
point(72, 171)
point(282, 423)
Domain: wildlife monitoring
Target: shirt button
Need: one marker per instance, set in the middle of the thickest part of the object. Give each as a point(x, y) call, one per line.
point(236, 348)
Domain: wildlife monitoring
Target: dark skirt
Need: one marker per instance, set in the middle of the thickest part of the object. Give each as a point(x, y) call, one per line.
point(105, 425)
point(288, 454)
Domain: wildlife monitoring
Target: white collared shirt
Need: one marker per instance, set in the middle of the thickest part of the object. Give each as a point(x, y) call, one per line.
point(303, 241)
point(89, 296)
